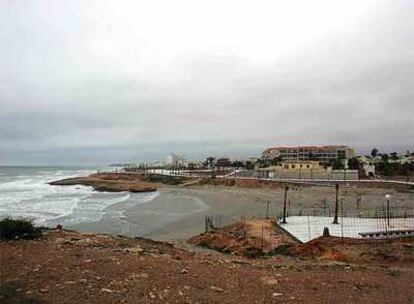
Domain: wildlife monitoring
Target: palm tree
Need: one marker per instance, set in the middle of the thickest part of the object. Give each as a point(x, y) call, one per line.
point(209, 161)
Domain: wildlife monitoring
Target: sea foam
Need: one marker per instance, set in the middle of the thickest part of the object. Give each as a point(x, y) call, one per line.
point(30, 196)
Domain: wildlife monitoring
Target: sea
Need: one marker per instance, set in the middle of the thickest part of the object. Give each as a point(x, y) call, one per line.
point(26, 194)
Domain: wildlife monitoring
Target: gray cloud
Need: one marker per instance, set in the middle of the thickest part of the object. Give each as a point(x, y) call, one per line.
point(96, 83)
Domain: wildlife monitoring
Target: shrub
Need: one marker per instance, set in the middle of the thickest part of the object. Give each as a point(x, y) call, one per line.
point(18, 229)
point(168, 180)
point(283, 249)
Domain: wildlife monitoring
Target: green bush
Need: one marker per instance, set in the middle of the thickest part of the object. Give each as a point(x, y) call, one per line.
point(283, 249)
point(164, 179)
point(18, 229)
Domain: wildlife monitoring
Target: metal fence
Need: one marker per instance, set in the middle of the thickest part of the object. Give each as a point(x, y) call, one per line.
point(379, 223)
point(307, 224)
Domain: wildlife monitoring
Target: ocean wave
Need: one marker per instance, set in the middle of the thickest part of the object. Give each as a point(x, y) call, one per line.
point(27, 194)
point(31, 197)
point(91, 208)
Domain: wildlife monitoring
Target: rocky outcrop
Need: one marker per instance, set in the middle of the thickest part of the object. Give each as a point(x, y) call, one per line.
point(109, 182)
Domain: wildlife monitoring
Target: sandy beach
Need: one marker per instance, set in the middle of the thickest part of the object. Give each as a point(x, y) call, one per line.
point(178, 213)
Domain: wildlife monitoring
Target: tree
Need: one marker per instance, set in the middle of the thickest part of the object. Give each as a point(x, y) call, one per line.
point(209, 161)
point(354, 163)
point(338, 164)
point(237, 164)
point(388, 169)
point(249, 165)
point(261, 163)
point(374, 152)
point(385, 157)
point(276, 161)
point(394, 155)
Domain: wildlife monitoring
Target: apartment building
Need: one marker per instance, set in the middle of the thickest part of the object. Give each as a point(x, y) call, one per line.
point(316, 153)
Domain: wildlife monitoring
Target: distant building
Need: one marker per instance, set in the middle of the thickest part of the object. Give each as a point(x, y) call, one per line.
point(313, 153)
point(368, 165)
point(302, 165)
point(297, 169)
point(307, 169)
point(176, 161)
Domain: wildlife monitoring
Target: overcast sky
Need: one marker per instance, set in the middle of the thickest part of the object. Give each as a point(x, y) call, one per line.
point(92, 82)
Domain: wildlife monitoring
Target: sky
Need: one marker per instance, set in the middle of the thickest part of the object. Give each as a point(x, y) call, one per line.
point(95, 82)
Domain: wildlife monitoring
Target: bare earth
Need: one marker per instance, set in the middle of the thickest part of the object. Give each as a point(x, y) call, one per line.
point(71, 267)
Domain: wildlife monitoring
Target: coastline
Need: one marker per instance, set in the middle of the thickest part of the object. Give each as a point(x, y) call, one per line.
point(178, 213)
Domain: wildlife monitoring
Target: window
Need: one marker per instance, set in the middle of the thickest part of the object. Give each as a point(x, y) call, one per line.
point(307, 166)
point(286, 166)
point(293, 166)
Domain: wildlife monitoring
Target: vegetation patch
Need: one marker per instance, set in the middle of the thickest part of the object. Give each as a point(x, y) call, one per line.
point(11, 229)
point(283, 249)
point(11, 292)
point(164, 179)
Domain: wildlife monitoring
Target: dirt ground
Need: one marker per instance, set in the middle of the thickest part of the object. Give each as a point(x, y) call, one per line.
point(253, 237)
point(358, 251)
point(71, 267)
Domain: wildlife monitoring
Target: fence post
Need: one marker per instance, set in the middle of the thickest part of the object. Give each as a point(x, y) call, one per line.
point(262, 236)
point(335, 221)
point(267, 209)
point(284, 205)
point(388, 212)
point(342, 220)
point(205, 224)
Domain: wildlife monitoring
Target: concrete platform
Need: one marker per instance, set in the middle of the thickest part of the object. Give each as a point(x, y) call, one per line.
point(306, 228)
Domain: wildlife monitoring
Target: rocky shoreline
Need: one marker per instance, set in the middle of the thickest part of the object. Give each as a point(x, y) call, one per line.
point(109, 182)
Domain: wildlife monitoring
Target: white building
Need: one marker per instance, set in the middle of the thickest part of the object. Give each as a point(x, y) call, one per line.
point(368, 165)
point(176, 161)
